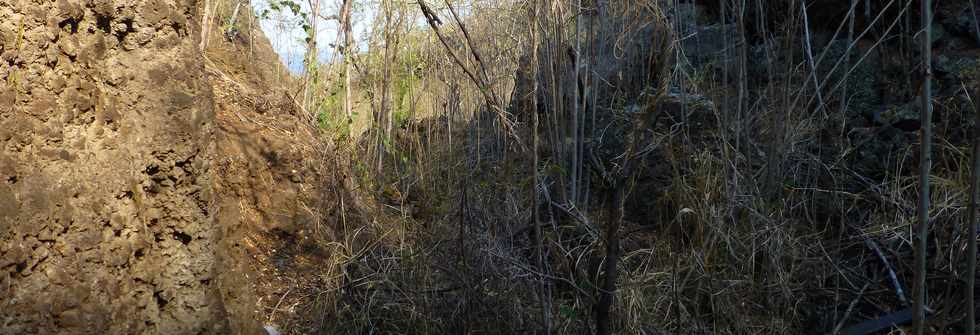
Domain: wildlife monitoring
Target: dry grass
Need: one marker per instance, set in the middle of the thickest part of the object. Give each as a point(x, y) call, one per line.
point(437, 239)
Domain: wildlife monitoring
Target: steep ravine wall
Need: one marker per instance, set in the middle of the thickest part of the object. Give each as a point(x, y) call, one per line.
point(106, 123)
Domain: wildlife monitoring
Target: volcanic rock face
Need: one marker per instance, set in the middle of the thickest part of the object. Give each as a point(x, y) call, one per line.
point(105, 146)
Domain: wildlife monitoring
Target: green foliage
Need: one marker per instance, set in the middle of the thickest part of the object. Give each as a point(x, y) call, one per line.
point(229, 26)
point(404, 84)
point(567, 312)
point(303, 18)
point(280, 5)
point(406, 74)
point(330, 111)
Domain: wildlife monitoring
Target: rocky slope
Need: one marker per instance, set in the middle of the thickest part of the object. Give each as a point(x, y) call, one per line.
point(105, 157)
point(274, 187)
point(109, 218)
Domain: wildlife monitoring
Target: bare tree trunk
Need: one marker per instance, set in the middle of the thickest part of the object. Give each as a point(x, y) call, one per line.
point(576, 92)
point(543, 297)
point(591, 99)
point(777, 120)
point(726, 119)
point(617, 199)
point(809, 55)
point(556, 66)
point(348, 60)
point(311, 60)
point(206, 23)
point(742, 103)
point(971, 247)
point(384, 119)
point(971, 235)
point(379, 117)
point(614, 206)
point(925, 164)
point(847, 59)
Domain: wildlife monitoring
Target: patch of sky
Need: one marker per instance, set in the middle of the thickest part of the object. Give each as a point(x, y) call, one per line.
point(285, 30)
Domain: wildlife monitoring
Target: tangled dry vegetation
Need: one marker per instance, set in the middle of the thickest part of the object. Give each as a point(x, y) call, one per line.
point(728, 168)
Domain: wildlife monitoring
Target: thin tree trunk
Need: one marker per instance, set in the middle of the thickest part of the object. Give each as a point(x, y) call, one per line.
point(971, 247)
point(971, 235)
point(726, 122)
point(741, 72)
point(847, 59)
point(556, 66)
point(348, 61)
point(925, 164)
point(381, 114)
point(809, 56)
point(777, 119)
point(591, 96)
point(311, 61)
point(576, 92)
point(206, 23)
point(607, 290)
point(616, 200)
point(909, 40)
point(535, 206)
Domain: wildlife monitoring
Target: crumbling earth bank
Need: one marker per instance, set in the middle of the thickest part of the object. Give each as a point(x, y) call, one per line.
point(105, 149)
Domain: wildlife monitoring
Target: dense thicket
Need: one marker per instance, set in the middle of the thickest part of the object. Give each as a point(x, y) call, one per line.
point(663, 166)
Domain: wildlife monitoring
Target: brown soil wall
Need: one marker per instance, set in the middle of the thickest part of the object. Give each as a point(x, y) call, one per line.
point(106, 126)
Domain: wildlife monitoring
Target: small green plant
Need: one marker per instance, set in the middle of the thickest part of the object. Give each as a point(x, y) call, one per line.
point(407, 78)
point(330, 114)
point(567, 312)
point(293, 7)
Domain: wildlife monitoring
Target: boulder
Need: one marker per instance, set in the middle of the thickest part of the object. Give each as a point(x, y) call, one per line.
point(874, 151)
point(897, 114)
point(863, 97)
point(964, 68)
point(694, 111)
point(959, 18)
point(710, 46)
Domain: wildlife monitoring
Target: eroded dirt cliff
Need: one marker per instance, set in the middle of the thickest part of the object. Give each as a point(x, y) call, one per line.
point(148, 186)
point(106, 127)
point(276, 186)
